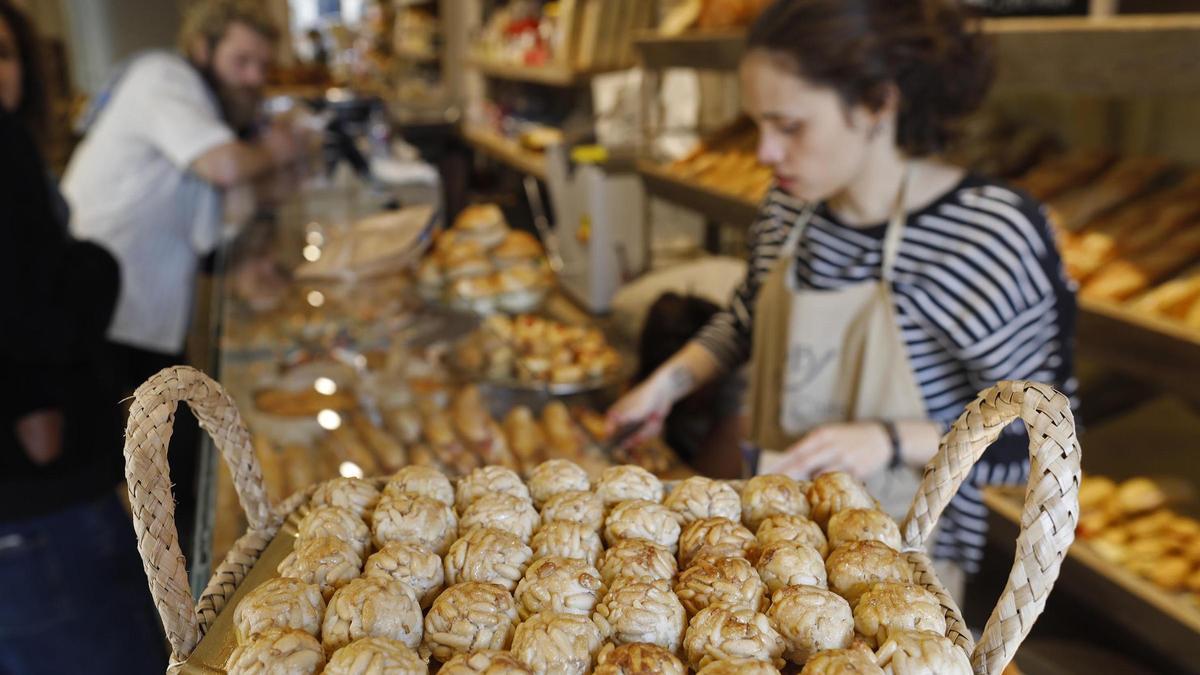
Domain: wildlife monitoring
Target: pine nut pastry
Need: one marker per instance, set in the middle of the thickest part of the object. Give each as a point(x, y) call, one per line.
point(797, 529)
point(853, 568)
point(373, 655)
point(278, 651)
point(627, 482)
point(501, 511)
point(422, 480)
point(575, 506)
point(637, 559)
point(418, 568)
point(642, 612)
point(842, 662)
point(468, 617)
point(719, 633)
point(353, 494)
point(787, 563)
point(921, 652)
point(836, 491)
point(279, 603)
point(886, 608)
point(326, 562)
point(739, 667)
point(372, 608)
point(339, 523)
point(554, 477)
point(637, 659)
point(488, 555)
point(732, 582)
point(414, 519)
point(863, 525)
point(560, 585)
point(557, 644)
point(699, 497)
point(488, 480)
point(724, 538)
point(811, 620)
point(642, 519)
point(484, 662)
point(567, 540)
point(772, 495)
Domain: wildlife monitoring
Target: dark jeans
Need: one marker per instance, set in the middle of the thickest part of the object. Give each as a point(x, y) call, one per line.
point(75, 598)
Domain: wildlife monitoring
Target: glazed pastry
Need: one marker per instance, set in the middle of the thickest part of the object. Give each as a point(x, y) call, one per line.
point(372, 608)
point(414, 519)
point(353, 494)
point(488, 555)
point(719, 633)
point(567, 540)
point(699, 497)
point(1095, 491)
point(327, 562)
point(484, 662)
point(1138, 495)
point(769, 496)
point(525, 436)
point(372, 655)
point(576, 506)
point(279, 603)
point(637, 559)
point(501, 511)
point(836, 491)
point(278, 651)
point(624, 483)
point(843, 662)
point(422, 480)
point(486, 481)
point(796, 529)
point(560, 585)
point(637, 659)
point(811, 620)
point(334, 521)
point(739, 667)
point(886, 608)
point(558, 644)
point(418, 568)
point(732, 582)
point(642, 612)
point(728, 537)
point(855, 567)
point(468, 617)
point(863, 525)
point(912, 652)
point(790, 564)
point(556, 476)
point(642, 519)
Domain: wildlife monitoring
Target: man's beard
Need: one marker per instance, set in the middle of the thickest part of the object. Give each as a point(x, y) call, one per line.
point(239, 105)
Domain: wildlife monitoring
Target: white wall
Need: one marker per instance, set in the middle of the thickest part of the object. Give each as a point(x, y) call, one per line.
point(101, 33)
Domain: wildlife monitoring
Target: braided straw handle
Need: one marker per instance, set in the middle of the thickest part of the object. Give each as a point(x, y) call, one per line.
point(147, 436)
point(1051, 503)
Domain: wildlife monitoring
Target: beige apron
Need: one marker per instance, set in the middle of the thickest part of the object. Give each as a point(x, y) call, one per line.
point(832, 356)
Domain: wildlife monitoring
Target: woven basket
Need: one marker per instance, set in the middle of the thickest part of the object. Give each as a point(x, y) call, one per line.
point(1047, 522)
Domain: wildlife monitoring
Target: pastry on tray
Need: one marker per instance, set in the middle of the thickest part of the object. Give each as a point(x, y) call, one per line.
point(421, 480)
point(279, 603)
point(354, 494)
point(720, 537)
point(834, 491)
point(414, 519)
point(327, 562)
point(911, 652)
point(567, 540)
point(855, 567)
point(739, 667)
point(637, 659)
point(642, 519)
point(468, 617)
point(372, 655)
point(811, 620)
point(863, 525)
point(334, 521)
point(719, 633)
point(558, 644)
point(554, 476)
point(623, 483)
point(484, 662)
point(770, 495)
point(889, 607)
point(488, 555)
point(372, 608)
point(788, 563)
point(637, 559)
point(576, 506)
point(561, 585)
point(418, 568)
point(642, 612)
point(777, 528)
point(730, 582)
point(699, 497)
point(501, 511)
point(278, 651)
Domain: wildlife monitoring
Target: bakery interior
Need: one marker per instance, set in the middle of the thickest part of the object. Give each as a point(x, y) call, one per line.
point(505, 215)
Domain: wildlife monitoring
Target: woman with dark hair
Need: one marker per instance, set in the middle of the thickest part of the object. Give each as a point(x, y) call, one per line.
point(75, 597)
point(885, 287)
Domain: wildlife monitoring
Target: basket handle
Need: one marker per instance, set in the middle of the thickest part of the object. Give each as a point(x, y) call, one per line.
point(1051, 503)
point(147, 436)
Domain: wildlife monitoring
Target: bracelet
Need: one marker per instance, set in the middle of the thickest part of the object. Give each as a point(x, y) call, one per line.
point(897, 459)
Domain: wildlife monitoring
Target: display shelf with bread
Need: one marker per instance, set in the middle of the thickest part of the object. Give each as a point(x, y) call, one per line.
point(349, 571)
point(505, 150)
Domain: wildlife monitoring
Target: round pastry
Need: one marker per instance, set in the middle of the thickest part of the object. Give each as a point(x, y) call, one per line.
point(921, 652)
point(642, 519)
point(468, 617)
point(811, 620)
point(353, 494)
point(277, 651)
point(484, 662)
point(462, 253)
point(554, 477)
point(637, 659)
point(279, 603)
point(339, 523)
point(562, 585)
point(489, 480)
point(521, 287)
point(373, 655)
point(769, 496)
point(727, 581)
point(422, 480)
point(624, 483)
point(575, 506)
point(637, 559)
point(853, 568)
point(842, 662)
point(834, 491)
point(414, 519)
point(739, 667)
point(722, 534)
point(798, 529)
point(517, 248)
point(501, 512)
point(886, 608)
point(327, 562)
point(483, 223)
point(477, 292)
point(1095, 491)
point(372, 608)
point(429, 274)
point(567, 540)
point(719, 632)
point(488, 555)
point(863, 525)
point(699, 497)
point(646, 612)
point(420, 569)
point(787, 563)
point(562, 644)
point(1138, 495)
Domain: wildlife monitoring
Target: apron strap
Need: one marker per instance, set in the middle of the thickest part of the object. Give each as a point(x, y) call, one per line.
point(895, 230)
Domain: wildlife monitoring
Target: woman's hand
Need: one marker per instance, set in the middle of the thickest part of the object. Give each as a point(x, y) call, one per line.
point(858, 448)
point(645, 406)
point(40, 435)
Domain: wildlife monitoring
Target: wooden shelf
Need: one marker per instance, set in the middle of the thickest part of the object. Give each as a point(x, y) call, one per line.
point(1163, 620)
point(418, 55)
point(505, 150)
point(716, 205)
point(714, 51)
point(551, 76)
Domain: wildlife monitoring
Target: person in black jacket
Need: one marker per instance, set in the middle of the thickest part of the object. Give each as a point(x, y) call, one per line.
point(75, 598)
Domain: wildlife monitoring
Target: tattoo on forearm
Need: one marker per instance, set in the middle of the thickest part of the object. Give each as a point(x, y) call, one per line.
point(680, 380)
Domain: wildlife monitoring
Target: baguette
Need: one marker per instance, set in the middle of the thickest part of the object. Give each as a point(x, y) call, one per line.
point(389, 452)
point(1172, 299)
point(1065, 172)
point(1123, 182)
point(1127, 277)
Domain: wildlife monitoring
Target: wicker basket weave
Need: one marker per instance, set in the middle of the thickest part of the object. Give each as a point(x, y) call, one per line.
point(1047, 523)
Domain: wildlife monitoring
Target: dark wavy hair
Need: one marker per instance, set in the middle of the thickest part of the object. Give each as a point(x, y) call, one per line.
point(33, 107)
point(930, 50)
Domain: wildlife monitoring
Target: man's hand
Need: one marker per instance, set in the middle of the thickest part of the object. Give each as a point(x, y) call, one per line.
point(40, 435)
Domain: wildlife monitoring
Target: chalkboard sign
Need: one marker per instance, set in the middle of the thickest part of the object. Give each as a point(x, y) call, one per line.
point(1028, 7)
